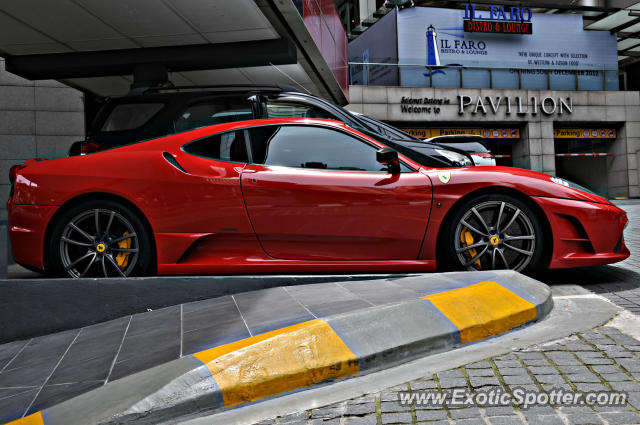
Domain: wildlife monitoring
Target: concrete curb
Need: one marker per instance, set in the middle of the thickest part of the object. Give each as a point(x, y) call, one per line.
point(33, 307)
point(456, 309)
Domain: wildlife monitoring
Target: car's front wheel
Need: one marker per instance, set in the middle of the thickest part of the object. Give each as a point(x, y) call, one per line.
point(494, 232)
point(100, 239)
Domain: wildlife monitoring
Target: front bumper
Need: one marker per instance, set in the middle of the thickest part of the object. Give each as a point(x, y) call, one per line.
point(27, 228)
point(584, 233)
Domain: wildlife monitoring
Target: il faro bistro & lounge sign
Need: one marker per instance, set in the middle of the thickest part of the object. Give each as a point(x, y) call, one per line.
point(498, 20)
point(519, 105)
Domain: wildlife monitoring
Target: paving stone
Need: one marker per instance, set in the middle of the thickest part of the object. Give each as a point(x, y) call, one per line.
point(563, 359)
point(591, 387)
point(536, 363)
point(457, 414)
point(584, 419)
point(499, 411)
point(513, 371)
point(327, 412)
point(606, 369)
point(480, 381)
point(505, 420)
point(423, 385)
point(300, 417)
point(360, 420)
point(431, 415)
point(474, 421)
point(575, 369)
point(359, 409)
point(615, 377)
point(396, 418)
point(582, 377)
point(453, 383)
point(479, 365)
point(507, 363)
point(334, 421)
point(631, 365)
point(543, 370)
point(541, 410)
point(550, 379)
point(390, 406)
point(625, 386)
point(517, 380)
point(621, 418)
point(543, 419)
point(480, 372)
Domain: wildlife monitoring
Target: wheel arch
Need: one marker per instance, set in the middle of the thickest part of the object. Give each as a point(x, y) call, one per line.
point(499, 190)
point(96, 196)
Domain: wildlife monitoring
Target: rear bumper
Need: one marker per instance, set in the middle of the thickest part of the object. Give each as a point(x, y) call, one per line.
point(584, 233)
point(27, 228)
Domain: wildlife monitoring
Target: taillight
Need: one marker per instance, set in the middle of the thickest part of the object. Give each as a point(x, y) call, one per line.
point(89, 147)
point(13, 172)
point(483, 154)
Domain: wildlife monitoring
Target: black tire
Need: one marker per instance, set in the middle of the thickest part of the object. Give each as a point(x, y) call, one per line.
point(520, 245)
point(132, 255)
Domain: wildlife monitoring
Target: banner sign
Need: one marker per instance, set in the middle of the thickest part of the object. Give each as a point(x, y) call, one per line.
point(558, 42)
point(487, 133)
point(584, 133)
point(498, 27)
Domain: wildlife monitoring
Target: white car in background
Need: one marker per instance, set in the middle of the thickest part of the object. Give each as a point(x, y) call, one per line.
point(470, 143)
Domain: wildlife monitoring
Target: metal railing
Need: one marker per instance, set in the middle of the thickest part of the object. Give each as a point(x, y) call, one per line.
point(455, 76)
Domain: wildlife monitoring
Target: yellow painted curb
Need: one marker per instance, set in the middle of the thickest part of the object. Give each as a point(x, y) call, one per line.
point(483, 310)
point(278, 361)
point(32, 419)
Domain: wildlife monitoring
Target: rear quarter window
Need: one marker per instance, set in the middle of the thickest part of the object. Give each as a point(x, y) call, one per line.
point(129, 116)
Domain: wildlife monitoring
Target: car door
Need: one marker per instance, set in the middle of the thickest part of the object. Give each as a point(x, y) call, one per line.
point(318, 193)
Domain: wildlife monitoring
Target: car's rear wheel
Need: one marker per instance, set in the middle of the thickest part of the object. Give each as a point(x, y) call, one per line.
point(100, 239)
point(492, 232)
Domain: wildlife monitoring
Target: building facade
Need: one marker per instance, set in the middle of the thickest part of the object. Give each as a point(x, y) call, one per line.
point(542, 91)
point(590, 137)
point(38, 119)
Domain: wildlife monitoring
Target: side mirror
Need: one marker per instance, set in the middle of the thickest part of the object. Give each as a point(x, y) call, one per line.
point(389, 158)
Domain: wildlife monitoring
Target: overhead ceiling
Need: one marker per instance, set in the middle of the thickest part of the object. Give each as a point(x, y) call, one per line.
point(29, 27)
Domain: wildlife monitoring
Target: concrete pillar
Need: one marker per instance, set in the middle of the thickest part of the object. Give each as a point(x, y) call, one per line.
point(548, 149)
point(632, 132)
point(527, 152)
point(618, 166)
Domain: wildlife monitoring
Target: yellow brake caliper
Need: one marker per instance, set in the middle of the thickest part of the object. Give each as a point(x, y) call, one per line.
point(122, 258)
point(467, 239)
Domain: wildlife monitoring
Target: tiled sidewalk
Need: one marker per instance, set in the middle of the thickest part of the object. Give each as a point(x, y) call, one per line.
point(601, 360)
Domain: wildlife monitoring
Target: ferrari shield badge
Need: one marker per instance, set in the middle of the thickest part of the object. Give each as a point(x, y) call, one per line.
point(444, 177)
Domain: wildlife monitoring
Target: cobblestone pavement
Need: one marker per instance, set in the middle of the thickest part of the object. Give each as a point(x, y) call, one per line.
point(603, 359)
point(600, 360)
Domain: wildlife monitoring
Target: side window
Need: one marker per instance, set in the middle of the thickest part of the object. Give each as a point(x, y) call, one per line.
point(213, 111)
point(312, 147)
point(229, 146)
point(129, 116)
point(277, 109)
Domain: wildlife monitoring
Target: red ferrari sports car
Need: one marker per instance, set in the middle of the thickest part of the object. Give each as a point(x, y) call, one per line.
point(296, 195)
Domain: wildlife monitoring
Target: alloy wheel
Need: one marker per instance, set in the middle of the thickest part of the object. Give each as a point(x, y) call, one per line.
point(495, 235)
point(99, 243)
